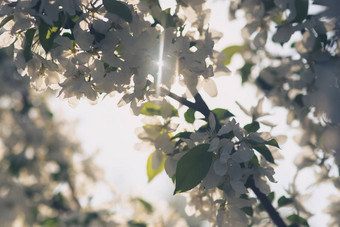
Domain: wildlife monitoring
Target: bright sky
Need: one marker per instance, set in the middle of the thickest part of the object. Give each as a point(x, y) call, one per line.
point(111, 130)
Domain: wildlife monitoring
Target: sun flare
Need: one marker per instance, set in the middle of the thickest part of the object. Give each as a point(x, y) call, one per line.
point(160, 64)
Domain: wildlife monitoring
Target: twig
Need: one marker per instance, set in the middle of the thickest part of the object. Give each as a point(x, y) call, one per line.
point(199, 104)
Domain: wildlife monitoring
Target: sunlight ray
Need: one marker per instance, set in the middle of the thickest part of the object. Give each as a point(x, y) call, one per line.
point(160, 64)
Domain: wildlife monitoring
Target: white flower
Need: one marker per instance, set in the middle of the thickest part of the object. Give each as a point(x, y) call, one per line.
point(243, 154)
point(82, 35)
point(220, 167)
point(225, 129)
point(261, 184)
point(238, 132)
point(214, 144)
point(6, 39)
point(234, 170)
point(212, 179)
point(171, 164)
point(163, 143)
point(238, 186)
point(198, 136)
point(227, 147)
point(209, 86)
point(77, 87)
point(157, 159)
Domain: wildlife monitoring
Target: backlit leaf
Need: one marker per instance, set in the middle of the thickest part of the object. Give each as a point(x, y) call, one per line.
point(153, 172)
point(47, 34)
point(151, 109)
point(148, 207)
point(230, 51)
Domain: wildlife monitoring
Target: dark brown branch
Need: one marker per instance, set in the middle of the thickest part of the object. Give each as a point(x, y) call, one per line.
point(274, 215)
point(204, 109)
point(199, 105)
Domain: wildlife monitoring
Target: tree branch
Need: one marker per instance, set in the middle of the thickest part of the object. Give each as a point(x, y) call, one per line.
point(274, 215)
point(199, 104)
point(203, 108)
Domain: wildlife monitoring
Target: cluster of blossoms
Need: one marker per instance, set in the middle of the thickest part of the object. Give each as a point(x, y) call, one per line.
point(232, 146)
point(229, 160)
point(305, 80)
point(87, 48)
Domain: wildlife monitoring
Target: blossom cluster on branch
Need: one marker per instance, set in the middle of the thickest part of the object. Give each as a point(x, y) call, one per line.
point(291, 52)
point(91, 48)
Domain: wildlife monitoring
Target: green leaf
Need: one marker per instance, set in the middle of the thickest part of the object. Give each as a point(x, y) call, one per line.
point(166, 19)
point(29, 34)
point(185, 135)
point(148, 207)
point(222, 114)
point(254, 161)
point(150, 109)
point(5, 20)
point(245, 71)
point(252, 127)
point(153, 172)
point(47, 34)
point(118, 8)
point(189, 115)
point(277, 18)
point(248, 210)
point(283, 201)
point(192, 168)
point(273, 143)
point(136, 224)
point(50, 222)
point(271, 196)
point(301, 7)
point(264, 151)
point(296, 219)
point(230, 51)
